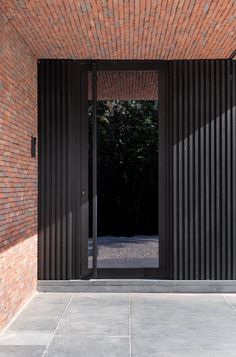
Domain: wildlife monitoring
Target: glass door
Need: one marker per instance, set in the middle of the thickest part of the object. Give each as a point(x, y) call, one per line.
point(120, 232)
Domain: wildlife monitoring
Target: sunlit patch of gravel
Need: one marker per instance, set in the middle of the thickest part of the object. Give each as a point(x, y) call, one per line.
point(138, 251)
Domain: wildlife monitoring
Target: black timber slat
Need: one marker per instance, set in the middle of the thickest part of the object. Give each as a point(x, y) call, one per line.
point(204, 169)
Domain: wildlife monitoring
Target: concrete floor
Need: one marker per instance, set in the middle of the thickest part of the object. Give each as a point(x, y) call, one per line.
point(123, 325)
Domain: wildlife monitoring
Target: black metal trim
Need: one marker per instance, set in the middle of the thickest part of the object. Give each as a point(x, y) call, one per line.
point(165, 210)
point(84, 173)
point(94, 169)
point(129, 273)
point(129, 65)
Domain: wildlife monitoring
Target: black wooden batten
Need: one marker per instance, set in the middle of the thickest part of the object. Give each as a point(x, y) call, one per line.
point(203, 133)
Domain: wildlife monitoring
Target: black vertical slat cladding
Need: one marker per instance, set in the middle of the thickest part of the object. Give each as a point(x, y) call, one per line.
point(52, 173)
point(69, 175)
point(55, 178)
point(233, 173)
point(170, 173)
point(202, 166)
point(47, 171)
point(223, 169)
point(196, 169)
point(41, 186)
point(228, 174)
point(207, 174)
point(198, 157)
point(164, 144)
point(64, 149)
point(190, 172)
point(74, 73)
point(180, 176)
point(186, 170)
point(203, 99)
point(218, 172)
point(58, 171)
point(174, 124)
point(212, 167)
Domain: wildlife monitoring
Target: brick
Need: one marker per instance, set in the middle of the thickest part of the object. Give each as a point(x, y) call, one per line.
point(144, 29)
point(18, 172)
point(126, 85)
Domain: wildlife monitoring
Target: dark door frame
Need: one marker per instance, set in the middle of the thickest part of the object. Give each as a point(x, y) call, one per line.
point(164, 170)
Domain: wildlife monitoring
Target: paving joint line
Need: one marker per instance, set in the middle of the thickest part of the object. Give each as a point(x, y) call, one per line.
point(54, 333)
point(229, 302)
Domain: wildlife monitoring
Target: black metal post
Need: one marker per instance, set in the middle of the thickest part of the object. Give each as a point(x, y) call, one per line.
point(94, 146)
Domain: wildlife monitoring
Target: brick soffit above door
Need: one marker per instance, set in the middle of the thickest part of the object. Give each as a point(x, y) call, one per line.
point(122, 29)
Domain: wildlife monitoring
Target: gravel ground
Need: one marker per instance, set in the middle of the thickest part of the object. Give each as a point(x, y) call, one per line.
point(128, 252)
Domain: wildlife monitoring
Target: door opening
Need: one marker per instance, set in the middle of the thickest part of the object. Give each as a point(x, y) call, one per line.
point(123, 136)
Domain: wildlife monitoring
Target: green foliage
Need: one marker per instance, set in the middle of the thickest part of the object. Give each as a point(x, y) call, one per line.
point(127, 167)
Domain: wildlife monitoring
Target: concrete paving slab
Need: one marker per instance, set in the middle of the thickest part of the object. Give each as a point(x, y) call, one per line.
point(49, 300)
point(27, 338)
point(50, 306)
point(134, 325)
point(177, 305)
point(82, 346)
point(102, 314)
point(35, 323)
point(180, 322)
point(179, 336)
point(21, 351)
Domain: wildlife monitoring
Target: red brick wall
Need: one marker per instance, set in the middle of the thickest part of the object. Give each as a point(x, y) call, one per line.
point(18, 172)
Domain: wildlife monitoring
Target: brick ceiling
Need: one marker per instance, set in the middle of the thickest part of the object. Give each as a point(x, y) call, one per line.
point(126, 85)
point(125, 29)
